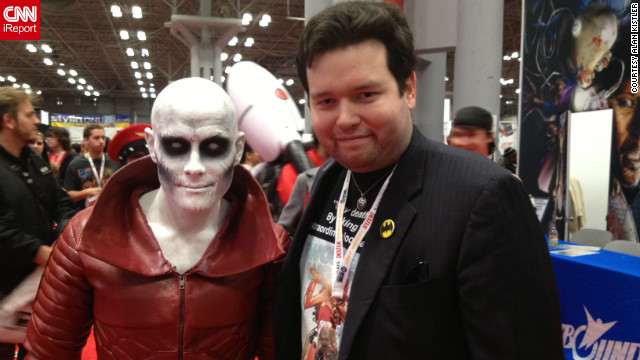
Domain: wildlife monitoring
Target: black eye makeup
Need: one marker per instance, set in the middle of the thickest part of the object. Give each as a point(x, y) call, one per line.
point(213, 147)
point(175, 146)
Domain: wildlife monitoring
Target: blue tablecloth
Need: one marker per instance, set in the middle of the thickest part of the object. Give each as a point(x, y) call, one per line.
point(600, 304)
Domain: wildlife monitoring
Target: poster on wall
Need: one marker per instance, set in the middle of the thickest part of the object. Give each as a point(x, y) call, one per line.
point(580, 56)
point(107, 121)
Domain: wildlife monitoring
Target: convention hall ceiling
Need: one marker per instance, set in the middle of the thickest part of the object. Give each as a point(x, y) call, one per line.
point(85, 37)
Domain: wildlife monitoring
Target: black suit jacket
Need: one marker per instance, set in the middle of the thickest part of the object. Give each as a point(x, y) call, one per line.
point(490, 292)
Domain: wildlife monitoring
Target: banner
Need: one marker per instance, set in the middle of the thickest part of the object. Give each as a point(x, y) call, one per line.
point(580, 56)
point(107, 121)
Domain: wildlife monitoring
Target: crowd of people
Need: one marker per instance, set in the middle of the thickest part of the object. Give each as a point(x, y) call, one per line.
point(165, 243)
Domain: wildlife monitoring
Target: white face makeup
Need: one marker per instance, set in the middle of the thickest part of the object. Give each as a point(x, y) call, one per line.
point(195, 142)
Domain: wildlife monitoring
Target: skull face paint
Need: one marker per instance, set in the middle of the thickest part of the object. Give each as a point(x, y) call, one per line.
point(195, 142)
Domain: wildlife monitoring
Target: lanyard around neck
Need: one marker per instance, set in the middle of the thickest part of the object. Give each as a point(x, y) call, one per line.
point(341, 260)
point(95, 172)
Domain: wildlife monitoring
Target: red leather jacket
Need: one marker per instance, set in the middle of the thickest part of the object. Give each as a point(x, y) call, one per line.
point(107, 269)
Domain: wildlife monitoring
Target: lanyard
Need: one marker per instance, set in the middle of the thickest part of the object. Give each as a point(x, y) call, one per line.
point(95, 172)
point(341, 261)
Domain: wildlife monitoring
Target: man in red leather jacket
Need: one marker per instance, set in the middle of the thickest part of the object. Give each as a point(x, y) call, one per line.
point(178, 258)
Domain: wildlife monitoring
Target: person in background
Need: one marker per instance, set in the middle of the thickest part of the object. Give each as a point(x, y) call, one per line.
point(288, 174)
point(190, 273)
point(509, 159)
point(33, 207)
point(77, 148)
point(128, 144)
point(472, 129)
point(59, 143)
point(87, 174)
point(407, 248)
point(38, 144)
point(250, 158)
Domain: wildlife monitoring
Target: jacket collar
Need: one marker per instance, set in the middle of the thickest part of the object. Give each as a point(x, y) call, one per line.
point(116, 227)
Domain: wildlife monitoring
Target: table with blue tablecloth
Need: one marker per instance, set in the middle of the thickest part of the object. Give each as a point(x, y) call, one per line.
point(600, 304)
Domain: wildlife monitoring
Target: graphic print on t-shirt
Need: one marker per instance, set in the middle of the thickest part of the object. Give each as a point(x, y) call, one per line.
point(323, 316)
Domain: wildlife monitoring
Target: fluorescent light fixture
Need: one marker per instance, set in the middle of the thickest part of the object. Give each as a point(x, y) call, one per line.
point(116, 11)
point(137, 74)
point(136, 12)
point(134, 65)
point(61, 72)
point(141, 35)
point(149, 76)
point(246, 19)
point(266, 19)
point(153, 96)
point(237, 57)
point(227, 70)
point(87, 93)
point(95, 93)
point(11, 78)
point(145, 95)
point(25, 86)
point(82, 81)
point(124, 35)
point(514, 55)
point(152, 90)
point(31, 48)
point(48, 61)
point(302, 101)
point(72, 80)
point(140, 82)
point(144, 52)
point(130, 52)
point(46, 48)
point(143, 89)
point(80, 87)
point(73, 72)
point(1, 78)
point(147, 65)
point(224, 56)
point(16, 86)
point(248, 42)
point(233, 41)
point(289, 82)
point(89, 87)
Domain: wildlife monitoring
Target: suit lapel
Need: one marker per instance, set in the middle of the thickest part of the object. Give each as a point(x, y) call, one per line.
point(378, 253)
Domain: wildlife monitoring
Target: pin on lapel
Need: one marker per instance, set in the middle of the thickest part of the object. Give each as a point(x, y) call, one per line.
point(387, 228)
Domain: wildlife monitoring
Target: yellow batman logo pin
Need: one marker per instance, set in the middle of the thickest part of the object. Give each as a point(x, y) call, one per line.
point(387, 228)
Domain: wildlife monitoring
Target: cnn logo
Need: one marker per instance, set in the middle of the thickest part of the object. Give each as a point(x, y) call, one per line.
point(24, 14)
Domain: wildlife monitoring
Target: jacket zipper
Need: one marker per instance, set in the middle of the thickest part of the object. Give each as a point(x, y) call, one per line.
point(181, 317)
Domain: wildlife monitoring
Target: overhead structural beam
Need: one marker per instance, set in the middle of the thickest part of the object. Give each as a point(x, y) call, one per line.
point(205, 36)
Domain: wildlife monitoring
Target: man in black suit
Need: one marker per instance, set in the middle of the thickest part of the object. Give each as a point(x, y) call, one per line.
point(439, 253)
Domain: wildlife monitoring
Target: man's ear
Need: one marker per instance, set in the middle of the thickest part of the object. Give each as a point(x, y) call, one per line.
point(148, 137)
point(8, 121)
point(239, 147)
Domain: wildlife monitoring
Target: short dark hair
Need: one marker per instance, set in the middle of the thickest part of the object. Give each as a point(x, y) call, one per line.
point(10, 99)
point(86, 133)
point(62, 135)
point(353, 22)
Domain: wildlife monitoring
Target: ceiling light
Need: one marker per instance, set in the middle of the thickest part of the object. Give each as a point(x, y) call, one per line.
point(152, 90)
point(137, 74)
point(82, 81)
point(87, 93)
point(514, 55)
point(227, 70)
point(48, 61)
point(11, 78)
point(61, 72)
point(134, 65)
point(140, 82)
point(517, 91)
point(16, 86)
point(73, 72)
point(39, 92)
point(95, 93)
point(141, 35)
point(147, 65)
point(1, 78)
point(25, 86)
point(281, 81)
point(153, 96)
point(248, 42)
point(224, 56)
point(152, 85)
point(46, 48)
point(124, 35)
point(136, 12)
point(237, 57)
point(31, 48)
point(116, 11)
point(149, 76)
point(506, 58)
point(246, 19)
point(223, 79)
point(130, 52)
point(144, 95)
point(72, 80)
point(144, 52)
point(143, 89)
point(89, 87)
point(289, 82)
point(233, 41)
point(80, 87)
point(302, 101)
point(266, 19)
